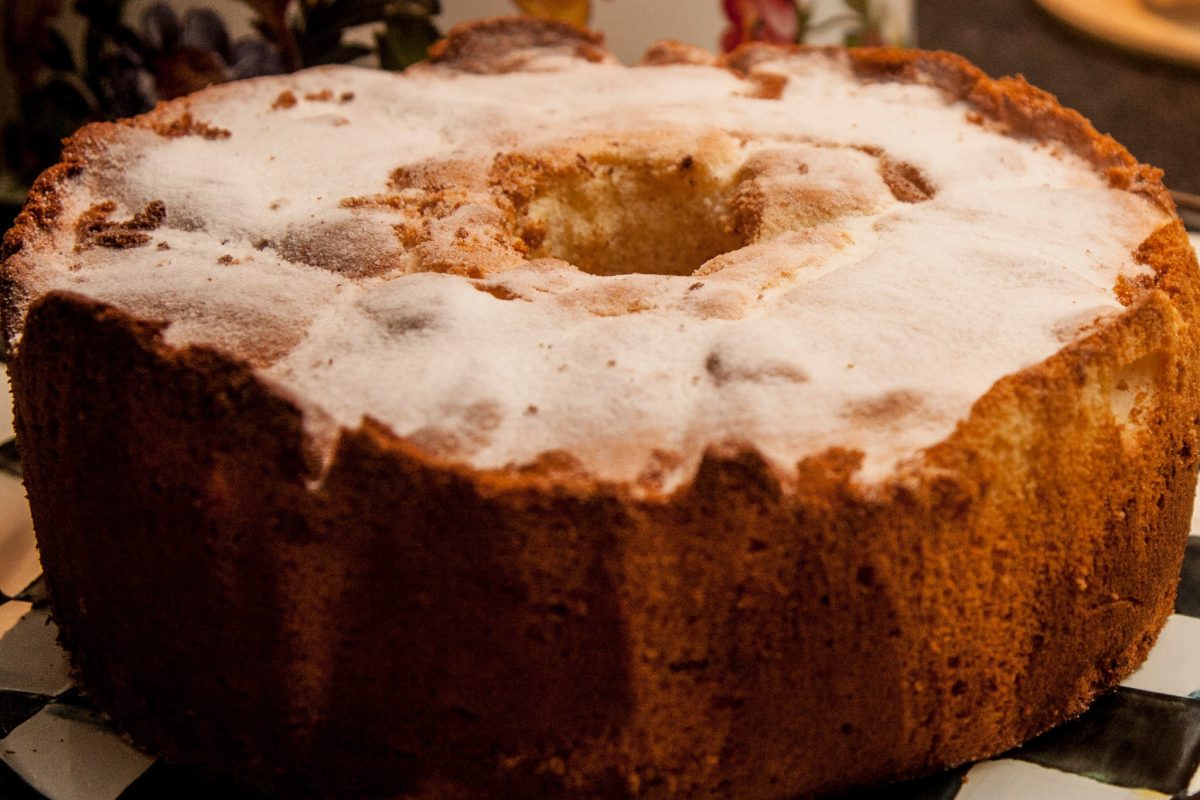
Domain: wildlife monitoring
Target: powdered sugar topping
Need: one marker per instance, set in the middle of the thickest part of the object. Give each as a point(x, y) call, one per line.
point(870, 261)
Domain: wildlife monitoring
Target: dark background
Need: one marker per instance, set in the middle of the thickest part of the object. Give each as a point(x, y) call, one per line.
point(1150, 106)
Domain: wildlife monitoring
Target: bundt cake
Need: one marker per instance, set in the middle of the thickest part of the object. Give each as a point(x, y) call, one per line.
point(529, 425)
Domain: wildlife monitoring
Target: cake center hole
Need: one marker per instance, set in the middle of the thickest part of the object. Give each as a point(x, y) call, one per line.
point(614, 215)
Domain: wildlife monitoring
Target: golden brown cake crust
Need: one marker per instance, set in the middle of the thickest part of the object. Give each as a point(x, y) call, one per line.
point(238, 606)
point(594, 640)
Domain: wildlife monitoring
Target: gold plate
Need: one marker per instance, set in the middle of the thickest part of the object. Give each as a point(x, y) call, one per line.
point(1133, 25)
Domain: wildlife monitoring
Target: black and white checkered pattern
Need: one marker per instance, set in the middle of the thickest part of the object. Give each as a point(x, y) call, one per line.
point(1142, 741)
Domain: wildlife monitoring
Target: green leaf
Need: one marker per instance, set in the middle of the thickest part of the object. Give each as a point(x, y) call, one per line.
point(264, 28)
point(349, 13)
point(125, 35)
point(404, 41)
point(57, 106)
point(103, 13)
point(341, 53)
point(57, 53)
point(861, 7)
point(803, 21)
point(315, 39)
point(49, 113)
point(93, 51)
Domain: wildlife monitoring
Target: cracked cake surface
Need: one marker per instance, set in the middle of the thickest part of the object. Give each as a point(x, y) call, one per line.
point(626, 265)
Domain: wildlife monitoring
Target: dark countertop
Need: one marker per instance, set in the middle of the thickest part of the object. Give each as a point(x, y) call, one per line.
point(1150, 106)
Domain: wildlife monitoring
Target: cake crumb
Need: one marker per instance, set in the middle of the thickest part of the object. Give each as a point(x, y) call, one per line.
point(907, 183)
point(497, 291)
point(187, 125)
point(765, 86)
point(93, 228)
point(286, 99)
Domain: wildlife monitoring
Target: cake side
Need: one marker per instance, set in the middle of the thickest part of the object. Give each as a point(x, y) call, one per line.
point(733, 640)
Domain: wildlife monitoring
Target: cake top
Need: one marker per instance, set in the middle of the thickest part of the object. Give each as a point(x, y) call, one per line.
point(523, 247)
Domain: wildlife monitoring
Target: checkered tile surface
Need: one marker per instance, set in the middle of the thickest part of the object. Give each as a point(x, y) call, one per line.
point(1143, 741)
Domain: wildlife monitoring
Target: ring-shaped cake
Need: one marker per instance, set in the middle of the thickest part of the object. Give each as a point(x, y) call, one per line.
point(530, 425)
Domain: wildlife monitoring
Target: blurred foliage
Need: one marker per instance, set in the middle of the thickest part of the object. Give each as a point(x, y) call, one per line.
point(793, 22)
point(577, 12)
point(407, 33)
point(128, 64)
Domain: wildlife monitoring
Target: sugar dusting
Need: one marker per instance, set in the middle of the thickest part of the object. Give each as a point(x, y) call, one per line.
point(873, 327)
